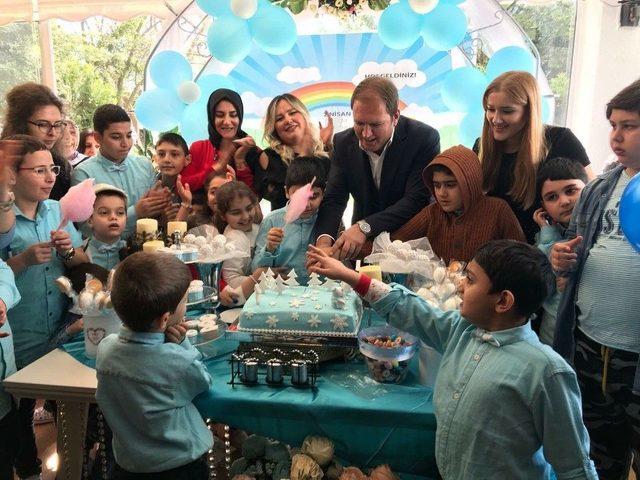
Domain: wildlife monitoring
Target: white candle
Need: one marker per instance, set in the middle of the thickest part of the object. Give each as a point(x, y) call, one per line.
point(147, 225)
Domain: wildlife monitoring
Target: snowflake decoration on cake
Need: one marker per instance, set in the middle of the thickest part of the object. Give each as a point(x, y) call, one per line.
point(318, 307)
point(273, 304)
point(296, 303)
point(249, 315)
point(339, 323)
point(306, 295)
point(272, 321)
point(295, 316)
point(314, 321)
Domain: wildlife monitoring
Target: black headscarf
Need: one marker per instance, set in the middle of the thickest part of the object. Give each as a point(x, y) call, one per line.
point(229, 95)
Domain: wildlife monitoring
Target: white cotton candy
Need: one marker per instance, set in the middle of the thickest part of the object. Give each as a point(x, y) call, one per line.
point(439, 274)
point(450, 304)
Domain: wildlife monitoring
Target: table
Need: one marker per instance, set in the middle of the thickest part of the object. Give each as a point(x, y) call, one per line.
point(369, 423)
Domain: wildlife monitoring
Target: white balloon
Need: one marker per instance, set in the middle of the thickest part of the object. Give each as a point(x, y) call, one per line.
point(188, 91)
point(244, 8)
point(420, 6)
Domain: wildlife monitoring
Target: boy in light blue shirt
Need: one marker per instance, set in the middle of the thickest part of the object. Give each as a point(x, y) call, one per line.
point(115, 166)
point(501, 396)
point(149, 374)
point(559, 182)
point(280, 245)
point(107, 225)
point(38, 254)
point(9, 296)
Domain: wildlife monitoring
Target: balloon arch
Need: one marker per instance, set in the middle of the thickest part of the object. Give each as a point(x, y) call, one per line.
point(441, 54)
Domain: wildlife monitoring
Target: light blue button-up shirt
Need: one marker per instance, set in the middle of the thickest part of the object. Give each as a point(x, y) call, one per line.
point(10, 296)
point(145, 390)
point(41, 313)
point(107, 255)
point(135, 176)
point(547, 237)
point(499, 398)
point(293, 249)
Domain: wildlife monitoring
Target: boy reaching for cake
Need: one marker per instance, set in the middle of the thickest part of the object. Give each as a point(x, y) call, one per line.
point(506, 405)
point(285, 245)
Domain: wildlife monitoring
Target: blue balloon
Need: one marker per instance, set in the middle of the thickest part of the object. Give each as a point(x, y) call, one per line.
point(444, 27)
point(463, 88)
point(209, 83)
point(630, 212)
point(193, 124)
point(508, 59)
point(273, 29)
point(215, 8)
point(399, 26)
point(159, 109)
point(548, 109)
point(229, 39)
point(169, 68)
point(470, 127)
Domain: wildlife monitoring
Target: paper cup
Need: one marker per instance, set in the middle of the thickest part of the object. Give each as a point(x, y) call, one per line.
point(428, 365)
point(97, 327)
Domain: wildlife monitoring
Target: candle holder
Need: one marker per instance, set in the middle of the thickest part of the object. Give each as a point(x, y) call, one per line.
point(135, 243)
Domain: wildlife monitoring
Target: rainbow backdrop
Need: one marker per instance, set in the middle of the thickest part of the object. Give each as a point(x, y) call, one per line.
point(322, 95)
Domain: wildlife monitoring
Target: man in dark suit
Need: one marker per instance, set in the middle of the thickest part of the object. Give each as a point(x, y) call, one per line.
point(379, 162)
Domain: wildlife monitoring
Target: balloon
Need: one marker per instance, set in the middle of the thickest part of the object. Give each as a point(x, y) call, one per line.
point(630, 212)
point(209, 83)
point(169, 68)
point(273, 29)
point(399, 26)
point(463, 88)
point(452, 2)
point(77, 204)
point(244, 8)
point(229, 39)
point(548, 109)
point(193, 124)
point(423, 6)
point(470, 127)
point(215, 7)
point(159, 109)
point(445, 27)
point(189, 91)
point(510, 58)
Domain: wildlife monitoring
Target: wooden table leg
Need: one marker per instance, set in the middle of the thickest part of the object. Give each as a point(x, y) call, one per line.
point(72, 424)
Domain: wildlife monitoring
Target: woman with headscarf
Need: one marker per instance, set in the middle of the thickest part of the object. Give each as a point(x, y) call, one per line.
point(227, 146)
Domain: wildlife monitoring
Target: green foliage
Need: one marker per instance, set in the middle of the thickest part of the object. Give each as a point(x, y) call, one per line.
point(20, 57)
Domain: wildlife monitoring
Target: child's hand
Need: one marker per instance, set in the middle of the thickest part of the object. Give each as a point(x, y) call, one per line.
point(228, 298)
point(75, 327)
point(175, 333)
point(153, 203)
point(61, 241)
point(540, 217)
point(3, 317)
point(274, 238)
point(563, 255)
point(37, 254)
point(184, 191)
point(323, 264)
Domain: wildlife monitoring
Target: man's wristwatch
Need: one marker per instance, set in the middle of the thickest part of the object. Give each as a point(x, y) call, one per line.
point(364, 227)
point(68, 255)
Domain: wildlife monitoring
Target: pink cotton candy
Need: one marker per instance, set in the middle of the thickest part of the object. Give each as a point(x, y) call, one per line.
point(77, 204)
point(298, 202)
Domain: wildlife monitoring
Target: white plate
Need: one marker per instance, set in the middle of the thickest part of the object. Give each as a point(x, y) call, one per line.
point(230, 316)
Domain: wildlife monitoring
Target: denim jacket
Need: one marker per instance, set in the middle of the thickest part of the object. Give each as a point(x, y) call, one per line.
point(586, 221)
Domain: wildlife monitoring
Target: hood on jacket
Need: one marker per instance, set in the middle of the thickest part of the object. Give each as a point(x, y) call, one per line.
point(465, 166)
point(216, 97)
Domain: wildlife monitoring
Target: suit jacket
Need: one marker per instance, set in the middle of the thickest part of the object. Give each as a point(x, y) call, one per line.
point(402, 192)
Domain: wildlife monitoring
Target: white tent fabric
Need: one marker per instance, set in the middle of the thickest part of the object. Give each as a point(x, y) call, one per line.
point(40, 10)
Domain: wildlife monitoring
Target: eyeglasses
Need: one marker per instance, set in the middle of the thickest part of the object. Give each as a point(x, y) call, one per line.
point(42, 171)
point(46, 127)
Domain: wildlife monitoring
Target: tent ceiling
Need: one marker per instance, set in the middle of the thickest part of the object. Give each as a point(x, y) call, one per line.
point(34, 10)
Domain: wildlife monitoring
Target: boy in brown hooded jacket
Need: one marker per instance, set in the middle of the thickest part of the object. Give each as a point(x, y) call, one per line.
point(462, 218)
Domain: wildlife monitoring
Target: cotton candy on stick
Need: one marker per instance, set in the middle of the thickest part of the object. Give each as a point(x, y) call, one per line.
point(77, 204)
point(298, 202)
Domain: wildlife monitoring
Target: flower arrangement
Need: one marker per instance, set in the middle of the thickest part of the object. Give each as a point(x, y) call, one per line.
point(335, 7)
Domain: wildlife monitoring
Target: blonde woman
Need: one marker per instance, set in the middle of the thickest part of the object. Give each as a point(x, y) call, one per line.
point(514, 141)
point(290, 132)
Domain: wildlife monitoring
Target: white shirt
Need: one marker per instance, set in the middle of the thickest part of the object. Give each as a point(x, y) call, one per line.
point(376, 160)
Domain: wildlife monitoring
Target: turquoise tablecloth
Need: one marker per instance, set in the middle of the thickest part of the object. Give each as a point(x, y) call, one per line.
point(370, 423)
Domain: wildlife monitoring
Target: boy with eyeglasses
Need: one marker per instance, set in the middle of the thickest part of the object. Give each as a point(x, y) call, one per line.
point(38, 254)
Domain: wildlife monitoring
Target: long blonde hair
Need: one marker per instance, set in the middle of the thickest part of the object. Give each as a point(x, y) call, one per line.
point(271, 137)
point(522, 88)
